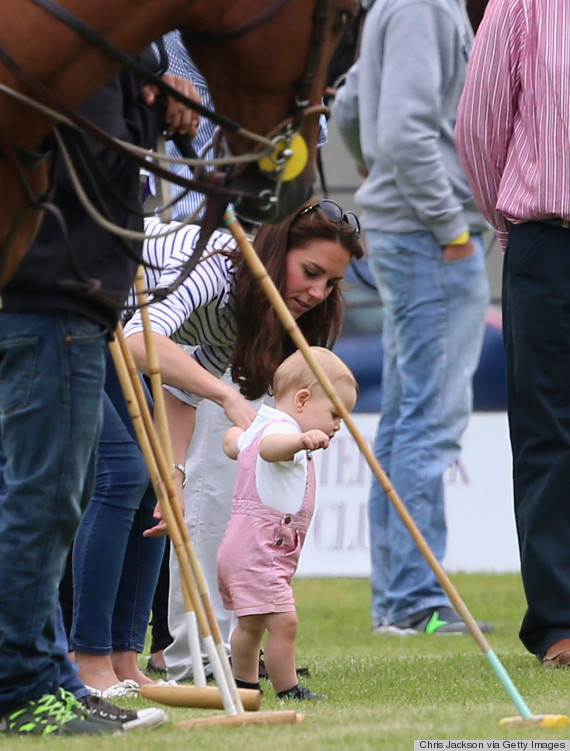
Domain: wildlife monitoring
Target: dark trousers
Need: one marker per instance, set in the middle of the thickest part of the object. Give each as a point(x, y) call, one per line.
point(160, 635)
point(536, 308)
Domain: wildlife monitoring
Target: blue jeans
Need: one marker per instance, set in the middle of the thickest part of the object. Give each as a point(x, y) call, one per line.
point(115, 568)
point(434, 319)
point(52, 368)
point(68, 670)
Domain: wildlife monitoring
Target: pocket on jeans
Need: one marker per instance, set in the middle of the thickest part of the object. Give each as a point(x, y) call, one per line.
point(461, 258)
point(84, 331)
point(17, 371)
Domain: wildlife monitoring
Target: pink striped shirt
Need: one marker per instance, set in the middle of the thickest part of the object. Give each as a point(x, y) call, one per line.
point(513, 122)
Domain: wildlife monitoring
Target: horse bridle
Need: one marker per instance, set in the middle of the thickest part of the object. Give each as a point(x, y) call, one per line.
point(274, 145)
point(302, 89)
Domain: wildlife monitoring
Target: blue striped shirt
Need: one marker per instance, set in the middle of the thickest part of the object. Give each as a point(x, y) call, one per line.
point(180, 64)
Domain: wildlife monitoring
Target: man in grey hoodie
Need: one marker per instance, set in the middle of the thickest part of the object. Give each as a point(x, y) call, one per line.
point(396, 114)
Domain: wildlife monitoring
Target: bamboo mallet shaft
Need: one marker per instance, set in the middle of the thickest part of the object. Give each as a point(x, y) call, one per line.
point(198, 594)
point(164, 435)
point(294, 331)
point(160, 414)
point(157, 466)
point(291, 327)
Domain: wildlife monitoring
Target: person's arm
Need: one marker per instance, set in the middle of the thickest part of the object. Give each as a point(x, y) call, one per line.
point(344, 112)
point(181, 419)
point(230, 442)
point(179, 369)
point(178, 117)
point(487, 107)
point(279, 447)
point(410, 113)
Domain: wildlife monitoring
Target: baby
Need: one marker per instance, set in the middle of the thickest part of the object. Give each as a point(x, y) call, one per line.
point(273, 503)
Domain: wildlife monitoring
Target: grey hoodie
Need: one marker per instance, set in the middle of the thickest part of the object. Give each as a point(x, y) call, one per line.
point(396, 114)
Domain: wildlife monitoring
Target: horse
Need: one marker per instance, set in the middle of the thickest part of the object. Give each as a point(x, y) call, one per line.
point(265, 62)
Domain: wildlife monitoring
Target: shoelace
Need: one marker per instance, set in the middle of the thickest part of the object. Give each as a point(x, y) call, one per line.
point(107, 711)
point(73, 705)
point(50, 705)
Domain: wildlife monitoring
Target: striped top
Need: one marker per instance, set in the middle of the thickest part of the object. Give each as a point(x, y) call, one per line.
point(200, 313)
point(513, 122)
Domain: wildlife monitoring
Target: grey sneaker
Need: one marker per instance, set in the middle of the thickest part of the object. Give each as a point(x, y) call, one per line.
point(441, 620)
point(129, 719)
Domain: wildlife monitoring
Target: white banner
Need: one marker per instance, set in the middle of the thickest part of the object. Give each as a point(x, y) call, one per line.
point(481, 527)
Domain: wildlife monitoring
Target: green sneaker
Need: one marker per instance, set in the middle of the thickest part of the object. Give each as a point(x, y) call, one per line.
point(441, 620)
point(49, 715)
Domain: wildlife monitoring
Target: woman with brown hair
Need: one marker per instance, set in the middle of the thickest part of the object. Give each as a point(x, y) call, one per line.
point(222, 311)
point(224, 319)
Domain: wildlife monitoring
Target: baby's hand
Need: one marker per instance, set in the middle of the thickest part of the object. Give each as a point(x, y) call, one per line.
point(314, 439)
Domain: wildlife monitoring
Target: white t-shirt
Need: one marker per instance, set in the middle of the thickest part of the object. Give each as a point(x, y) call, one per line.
point(280, 484)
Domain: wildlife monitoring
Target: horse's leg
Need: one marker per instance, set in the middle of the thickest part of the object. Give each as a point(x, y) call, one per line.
point(18, 220)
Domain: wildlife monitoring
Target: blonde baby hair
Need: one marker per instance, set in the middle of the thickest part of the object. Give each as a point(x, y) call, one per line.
point(294, 373)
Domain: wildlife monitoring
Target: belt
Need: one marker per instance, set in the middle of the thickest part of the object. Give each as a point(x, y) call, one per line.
point(557, 222)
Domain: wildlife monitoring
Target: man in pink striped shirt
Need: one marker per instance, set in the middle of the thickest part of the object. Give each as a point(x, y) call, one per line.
point(513, 137)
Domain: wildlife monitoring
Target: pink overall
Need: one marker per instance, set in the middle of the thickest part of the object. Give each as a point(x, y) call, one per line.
point(261, 547)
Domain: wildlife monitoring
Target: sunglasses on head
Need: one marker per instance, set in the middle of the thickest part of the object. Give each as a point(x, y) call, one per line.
point(335, 213)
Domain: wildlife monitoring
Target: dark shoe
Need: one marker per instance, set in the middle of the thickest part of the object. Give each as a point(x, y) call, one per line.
point(442, 620)
point(78, 708)
point(152, 668)
point(558, 655)
point(301, 672)
point(49, 715)
point(301, 693)
point(129, 719)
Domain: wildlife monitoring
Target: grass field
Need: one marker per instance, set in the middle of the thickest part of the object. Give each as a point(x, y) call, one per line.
point(384, 691)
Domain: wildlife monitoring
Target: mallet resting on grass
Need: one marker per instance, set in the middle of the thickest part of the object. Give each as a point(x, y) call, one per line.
point(259, 271)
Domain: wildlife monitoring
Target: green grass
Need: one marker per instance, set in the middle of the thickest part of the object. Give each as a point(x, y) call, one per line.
point(384, 691)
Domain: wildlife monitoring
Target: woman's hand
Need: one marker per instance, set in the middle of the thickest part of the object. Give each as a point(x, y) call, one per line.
point(238, 410)
point(160, 529)
point(181, 419)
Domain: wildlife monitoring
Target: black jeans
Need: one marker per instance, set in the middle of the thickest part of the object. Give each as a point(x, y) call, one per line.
point(536, 309)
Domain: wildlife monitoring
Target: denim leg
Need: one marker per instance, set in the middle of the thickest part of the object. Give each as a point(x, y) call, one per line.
point(68, 670)
point(435, 322)
point(143, 559)
point(143, 556)
point(114, 569)
point(51, 381)
point(378, 502)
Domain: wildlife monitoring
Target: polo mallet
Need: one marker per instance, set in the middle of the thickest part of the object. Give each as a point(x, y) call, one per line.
point(198, 673)
point(233, 699)
point(526, 717)
point(160, 417)
point(227, 696)
point(203, 594)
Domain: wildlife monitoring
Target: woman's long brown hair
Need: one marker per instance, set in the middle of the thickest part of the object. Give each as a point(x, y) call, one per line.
point(262, 342)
